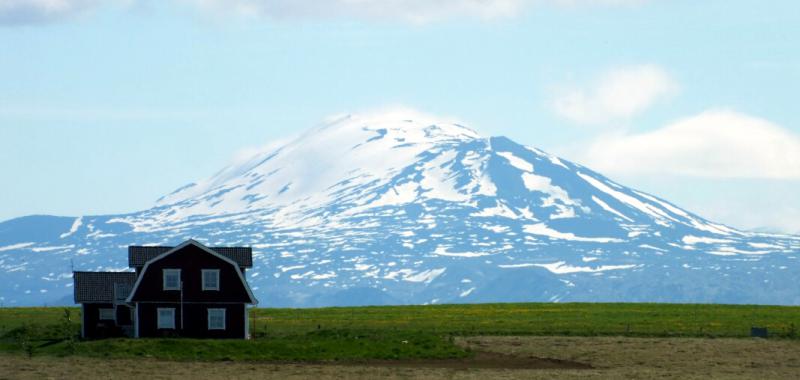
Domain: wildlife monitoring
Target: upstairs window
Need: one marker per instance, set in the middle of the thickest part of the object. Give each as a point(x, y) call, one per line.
point(210, 279)
point(216, 319)
point(172, 279)
point(166, 318)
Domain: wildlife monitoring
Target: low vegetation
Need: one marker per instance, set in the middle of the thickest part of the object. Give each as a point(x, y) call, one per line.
point(543, 319)
point(393, 332)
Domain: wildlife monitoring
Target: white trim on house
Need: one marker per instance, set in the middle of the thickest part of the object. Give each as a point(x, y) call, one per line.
point(136, 321)
point(168, 322)
point(215, 273)
point(170, 271)
point(83, 321)
point(229, 303)
point(106, 314)
point(215, 310)
point(253, 299)
point(246, 322)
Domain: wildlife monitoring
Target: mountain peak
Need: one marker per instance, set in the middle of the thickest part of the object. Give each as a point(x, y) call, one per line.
point(365, 145)
point(400, 123)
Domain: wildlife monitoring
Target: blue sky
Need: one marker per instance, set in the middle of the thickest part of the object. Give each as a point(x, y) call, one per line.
point(107, 105)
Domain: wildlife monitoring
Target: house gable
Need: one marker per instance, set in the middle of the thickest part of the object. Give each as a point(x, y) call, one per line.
point(191, 257)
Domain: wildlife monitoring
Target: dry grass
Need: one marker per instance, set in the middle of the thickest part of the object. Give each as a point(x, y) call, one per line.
point(612, 358)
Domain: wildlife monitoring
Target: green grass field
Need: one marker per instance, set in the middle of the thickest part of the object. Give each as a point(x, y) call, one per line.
point(576, 319)
point(396, 332)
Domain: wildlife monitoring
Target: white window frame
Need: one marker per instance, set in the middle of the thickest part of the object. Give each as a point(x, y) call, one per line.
point(171, 324)
point(164, 279)
point(203, 279)
point(106, 311)
point(209, 319)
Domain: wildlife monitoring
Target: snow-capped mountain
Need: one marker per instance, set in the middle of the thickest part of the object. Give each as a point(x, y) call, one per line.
point(387, 210)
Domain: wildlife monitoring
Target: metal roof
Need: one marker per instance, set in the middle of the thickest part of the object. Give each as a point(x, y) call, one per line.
point(99, 286)
point(139, 255)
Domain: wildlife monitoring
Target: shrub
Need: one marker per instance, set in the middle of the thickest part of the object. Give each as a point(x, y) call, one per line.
point(68, 331)
point(23, 336)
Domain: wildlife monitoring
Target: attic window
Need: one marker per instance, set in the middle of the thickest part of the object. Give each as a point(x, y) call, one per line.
point(210, 279)
point(172, 279)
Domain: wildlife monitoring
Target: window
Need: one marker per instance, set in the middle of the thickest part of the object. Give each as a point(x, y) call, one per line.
point(166, 318)
point(216, 319)
point(106, 314)
point(210, 279)
point(172, 279)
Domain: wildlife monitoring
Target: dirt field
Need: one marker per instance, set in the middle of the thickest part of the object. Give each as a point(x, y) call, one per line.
point(496, 358)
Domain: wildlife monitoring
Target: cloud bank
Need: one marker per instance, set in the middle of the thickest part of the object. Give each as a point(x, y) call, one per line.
point(712, 144)
point(16, 12)
point(618, 94)
point(20, 12)
point(414, 11)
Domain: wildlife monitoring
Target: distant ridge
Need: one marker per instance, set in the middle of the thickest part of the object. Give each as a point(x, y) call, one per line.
point(397, 209)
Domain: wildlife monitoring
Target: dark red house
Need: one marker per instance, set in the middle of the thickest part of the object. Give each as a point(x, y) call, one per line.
point(190, 290)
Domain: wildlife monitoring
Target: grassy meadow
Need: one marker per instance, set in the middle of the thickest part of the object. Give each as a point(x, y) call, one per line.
point(395, 332)
point(543, 319)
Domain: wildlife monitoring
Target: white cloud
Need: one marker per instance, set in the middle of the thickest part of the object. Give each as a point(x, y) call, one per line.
point(16, 12)
point(618, 94)
point(578, 3)
point(36, 11)
point(414, 11)
point(713, 144)
point(397, 112)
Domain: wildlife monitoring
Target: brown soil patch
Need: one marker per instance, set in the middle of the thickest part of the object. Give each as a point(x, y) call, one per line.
point(496, 358)
point(480, 360)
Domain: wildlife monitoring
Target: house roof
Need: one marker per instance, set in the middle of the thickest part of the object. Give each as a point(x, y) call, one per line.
point(211, 251)
point(99, 286)
point(139, 255)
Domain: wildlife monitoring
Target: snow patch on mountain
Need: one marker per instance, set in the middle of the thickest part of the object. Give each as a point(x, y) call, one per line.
point(562, 267)
point(544, 230)
point(73, 229)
